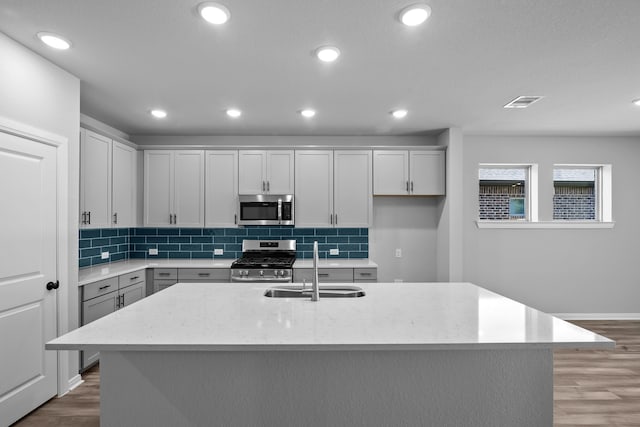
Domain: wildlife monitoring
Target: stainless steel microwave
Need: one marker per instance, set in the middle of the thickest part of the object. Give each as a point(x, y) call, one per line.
point(266, 209)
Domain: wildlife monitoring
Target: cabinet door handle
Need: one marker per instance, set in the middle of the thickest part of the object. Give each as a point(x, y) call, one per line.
point(122, 300)
point(412, 186)
point(204, 274)
point(175, 218)
point(336, 215)
point(134, 277)
point(407, 186)
point(101, 288)
point(235, 218)
point(263, 186)
point(115, 217)
point(268, 187)
point(163, 274)
point(89, 217)
point(365, 274)
point(330, 218)
point(323, 274)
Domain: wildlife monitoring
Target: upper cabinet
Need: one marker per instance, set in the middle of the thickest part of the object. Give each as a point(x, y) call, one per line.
point(107, 182)
point(174, 188)
point(265, 171)
point(409, 172)
point(221, 184)
point(95, 180)
point(124, 185)
point(333, 188)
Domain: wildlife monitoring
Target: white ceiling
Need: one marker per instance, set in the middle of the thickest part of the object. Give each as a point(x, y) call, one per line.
point(459, 69)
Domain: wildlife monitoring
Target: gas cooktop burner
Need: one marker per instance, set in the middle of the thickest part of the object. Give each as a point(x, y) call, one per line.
point(253, 261)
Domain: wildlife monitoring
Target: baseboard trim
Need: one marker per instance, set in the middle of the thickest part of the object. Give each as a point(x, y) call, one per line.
point(74, 382)
point(597, 316)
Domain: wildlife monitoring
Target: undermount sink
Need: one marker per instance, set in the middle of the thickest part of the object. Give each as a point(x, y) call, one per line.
point(325, 292)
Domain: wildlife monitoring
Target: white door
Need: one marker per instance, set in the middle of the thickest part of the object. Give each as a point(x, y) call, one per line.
point(314, 188)
point(390, 172)
point(427, 173)
point(221, 185)
point(189, 188)
point(252, 172)
point(123, 200)
point(95, 180)
point(27, 262)
point(158, 188)
point(352, 193)
point(280, 172)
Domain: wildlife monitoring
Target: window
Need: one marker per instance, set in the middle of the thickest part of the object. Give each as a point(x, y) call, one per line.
point(505, 192)
point(582, 192)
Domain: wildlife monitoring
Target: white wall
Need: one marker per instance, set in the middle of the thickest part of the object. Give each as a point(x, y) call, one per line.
point(558, 270)
point(37, 93)
point(409, 224)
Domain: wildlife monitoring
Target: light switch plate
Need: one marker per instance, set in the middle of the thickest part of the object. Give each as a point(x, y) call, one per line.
point(153, 251)
point(104, 255)
point(218, 251)
point(335, 251)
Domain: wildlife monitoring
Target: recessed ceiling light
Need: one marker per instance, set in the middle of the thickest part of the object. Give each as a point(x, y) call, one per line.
point(637, 102)
point(399, 114)
point(414, 15)
point(327, 53)
point(308, 113)
point(159, 114)
point(234, 112)
point(523, 101)
point(214, 13)
point(55, 41)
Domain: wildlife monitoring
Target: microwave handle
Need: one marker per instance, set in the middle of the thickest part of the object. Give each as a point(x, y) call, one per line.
point(279, 211)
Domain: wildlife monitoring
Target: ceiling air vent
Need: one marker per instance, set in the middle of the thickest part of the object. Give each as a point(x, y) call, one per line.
point(523, 101)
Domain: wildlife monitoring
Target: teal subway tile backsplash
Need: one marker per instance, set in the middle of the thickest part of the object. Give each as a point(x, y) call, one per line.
point(198, 243)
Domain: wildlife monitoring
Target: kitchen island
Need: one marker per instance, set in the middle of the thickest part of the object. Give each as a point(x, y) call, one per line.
point(439, 354)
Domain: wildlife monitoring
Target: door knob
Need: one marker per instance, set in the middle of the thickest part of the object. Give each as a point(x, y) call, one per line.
point(52, 285)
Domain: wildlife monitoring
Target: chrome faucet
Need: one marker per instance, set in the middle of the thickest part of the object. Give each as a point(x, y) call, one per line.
point(315, 286)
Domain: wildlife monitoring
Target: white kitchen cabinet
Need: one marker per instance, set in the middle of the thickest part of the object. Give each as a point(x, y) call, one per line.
point(124, 185)
point(333, 188)
point(266, 171)
point(409, 172)
point(95, 180)
point(352, 188)
point(106, 296)
point(221, 186)
point(314, 188)
point(174, 188)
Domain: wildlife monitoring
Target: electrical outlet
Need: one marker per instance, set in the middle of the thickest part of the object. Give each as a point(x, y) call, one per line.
point(153, 251)
point(335, 251)
point(104, 255)
point(398, 253)
point(218, 251)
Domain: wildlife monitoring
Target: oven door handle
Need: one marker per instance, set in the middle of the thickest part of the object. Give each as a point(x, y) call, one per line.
point(262, 279)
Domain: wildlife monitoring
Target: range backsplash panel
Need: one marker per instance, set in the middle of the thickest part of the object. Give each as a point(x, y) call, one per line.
point(200, 243)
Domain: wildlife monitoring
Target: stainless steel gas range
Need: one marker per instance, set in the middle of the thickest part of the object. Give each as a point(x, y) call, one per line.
point(265, 261)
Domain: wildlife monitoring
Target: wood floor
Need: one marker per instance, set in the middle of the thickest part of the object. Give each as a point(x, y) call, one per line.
point(591, 388)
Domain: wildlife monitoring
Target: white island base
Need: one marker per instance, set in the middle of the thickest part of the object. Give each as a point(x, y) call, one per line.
point(328, 388)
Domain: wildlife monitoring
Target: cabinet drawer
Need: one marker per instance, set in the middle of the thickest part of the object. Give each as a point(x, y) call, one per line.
point(203, 274)
point(131, 278)
point(101, 287)
point(165, 273)
point(324, 275)
point(365, 274)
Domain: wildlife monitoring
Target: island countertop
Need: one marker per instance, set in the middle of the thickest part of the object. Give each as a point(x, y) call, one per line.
point(392, 316)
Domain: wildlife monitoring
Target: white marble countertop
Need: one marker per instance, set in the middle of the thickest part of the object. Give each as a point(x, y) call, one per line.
point(392, 316)
point(106, 271)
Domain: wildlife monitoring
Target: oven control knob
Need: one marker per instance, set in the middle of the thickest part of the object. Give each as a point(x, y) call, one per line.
point(282, 273)
point(262, 272)
point(244, 273)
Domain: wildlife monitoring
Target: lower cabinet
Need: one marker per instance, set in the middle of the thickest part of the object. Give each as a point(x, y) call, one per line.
point(165, 277)
point(336, 275)
point(106, 296)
